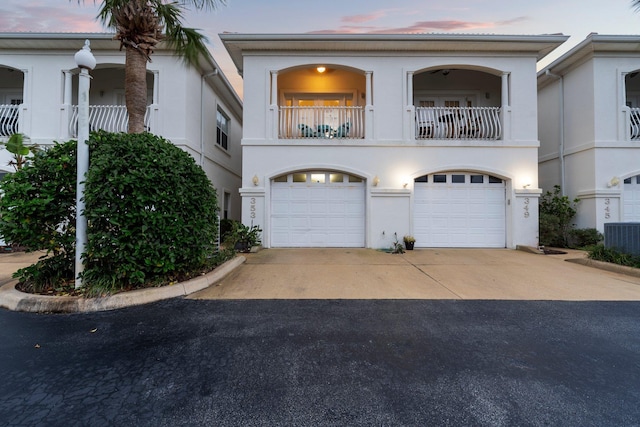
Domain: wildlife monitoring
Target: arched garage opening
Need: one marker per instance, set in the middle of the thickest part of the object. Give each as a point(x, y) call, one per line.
point(459, 209)
point(317, 208)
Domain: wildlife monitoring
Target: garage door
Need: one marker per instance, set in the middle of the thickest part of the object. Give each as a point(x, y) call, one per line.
point(317, 209)
point(459, 209)
point(631, 200)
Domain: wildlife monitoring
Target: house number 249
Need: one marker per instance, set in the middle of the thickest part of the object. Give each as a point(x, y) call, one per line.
point(526, 207)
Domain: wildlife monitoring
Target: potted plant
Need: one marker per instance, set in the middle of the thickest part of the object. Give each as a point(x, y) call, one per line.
point(409, 241)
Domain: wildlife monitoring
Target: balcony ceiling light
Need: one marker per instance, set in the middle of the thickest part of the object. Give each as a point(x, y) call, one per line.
point(321, 69)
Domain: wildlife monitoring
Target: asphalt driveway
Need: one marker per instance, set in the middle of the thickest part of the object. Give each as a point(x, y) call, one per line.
point(324, 363)
point(459, 274)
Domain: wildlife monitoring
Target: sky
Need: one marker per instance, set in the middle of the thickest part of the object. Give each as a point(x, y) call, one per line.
point(576, 18)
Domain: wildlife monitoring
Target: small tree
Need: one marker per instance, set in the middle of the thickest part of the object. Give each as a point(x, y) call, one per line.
point(16, 146)
point(556, 214)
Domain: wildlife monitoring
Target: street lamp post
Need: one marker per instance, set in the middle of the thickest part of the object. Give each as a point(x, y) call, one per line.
point(86, 62)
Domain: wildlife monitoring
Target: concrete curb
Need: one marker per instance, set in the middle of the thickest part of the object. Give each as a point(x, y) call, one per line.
point(615, 268)
point(12, 299)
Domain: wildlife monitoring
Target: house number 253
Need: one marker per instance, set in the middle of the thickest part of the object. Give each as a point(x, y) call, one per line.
point(252, 208)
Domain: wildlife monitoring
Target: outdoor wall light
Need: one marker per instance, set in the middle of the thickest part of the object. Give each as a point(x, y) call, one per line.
point(255, 180)
point(614, 182)
point(526, 186)
point(376, 181)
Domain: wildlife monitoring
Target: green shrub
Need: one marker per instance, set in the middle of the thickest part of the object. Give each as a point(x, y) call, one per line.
point(583, 237)
point(242, 237)
point(152, 213)
point(38, 212)
point(556, 213)
point(601, 253)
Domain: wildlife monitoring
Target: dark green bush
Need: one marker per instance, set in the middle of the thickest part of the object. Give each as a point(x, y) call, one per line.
point(38, 212)
point(583, 237)
point(242, 237)
point(556, 213)
point(152, 213)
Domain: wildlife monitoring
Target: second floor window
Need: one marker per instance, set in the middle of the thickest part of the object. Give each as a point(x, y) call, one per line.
point(222, 133)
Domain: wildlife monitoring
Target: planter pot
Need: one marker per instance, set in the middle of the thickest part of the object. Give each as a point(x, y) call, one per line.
point(409, 245)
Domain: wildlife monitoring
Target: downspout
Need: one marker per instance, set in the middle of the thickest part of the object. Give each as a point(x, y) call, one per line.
point(561, 146)
point(202, 79)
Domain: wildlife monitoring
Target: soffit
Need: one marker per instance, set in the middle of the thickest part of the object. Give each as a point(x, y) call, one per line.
point(243, 44)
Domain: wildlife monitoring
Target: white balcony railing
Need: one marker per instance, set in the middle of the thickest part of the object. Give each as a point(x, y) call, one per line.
point(476, 123)
point(634, 115)
point(321, 122)
point(111, 118)
point(9, 115)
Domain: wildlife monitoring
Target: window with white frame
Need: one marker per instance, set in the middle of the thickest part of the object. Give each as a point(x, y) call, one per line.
point(222, 133)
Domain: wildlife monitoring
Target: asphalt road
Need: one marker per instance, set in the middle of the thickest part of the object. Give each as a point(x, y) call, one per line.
point(324, 362)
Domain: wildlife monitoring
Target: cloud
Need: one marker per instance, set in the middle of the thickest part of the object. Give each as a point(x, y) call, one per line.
point(357, 19)
point(425, 27)
point(40, 17)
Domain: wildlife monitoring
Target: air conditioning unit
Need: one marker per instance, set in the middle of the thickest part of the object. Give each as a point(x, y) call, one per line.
point(623, 236)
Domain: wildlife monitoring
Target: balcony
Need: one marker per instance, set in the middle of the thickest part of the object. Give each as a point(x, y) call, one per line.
point(467, 123)
point(9, 120)
point(634, 116)
point(321, 122)
point(110, 118)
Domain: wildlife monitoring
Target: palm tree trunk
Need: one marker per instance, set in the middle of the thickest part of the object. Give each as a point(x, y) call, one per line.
point(135, 88)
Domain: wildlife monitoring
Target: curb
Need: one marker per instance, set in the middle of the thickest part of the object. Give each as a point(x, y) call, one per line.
point(12, 299)
point(614, 268)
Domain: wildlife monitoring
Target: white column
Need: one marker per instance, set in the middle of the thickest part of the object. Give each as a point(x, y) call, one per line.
point(368, 95)
point(409, 130)
point(68, 89)
point(273, 107)
point(506, 107)
point(156, 87)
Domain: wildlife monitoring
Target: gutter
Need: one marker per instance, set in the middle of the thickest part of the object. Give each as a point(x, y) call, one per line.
point(561, 144)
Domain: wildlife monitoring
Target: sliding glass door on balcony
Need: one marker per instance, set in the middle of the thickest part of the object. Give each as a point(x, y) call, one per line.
point(321, 116)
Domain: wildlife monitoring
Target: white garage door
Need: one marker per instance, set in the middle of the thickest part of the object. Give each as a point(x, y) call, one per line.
point(631, 200)
point(459, 209)
point(317, 209)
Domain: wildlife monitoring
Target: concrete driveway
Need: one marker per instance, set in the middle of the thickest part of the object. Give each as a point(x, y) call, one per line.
point(467, 274)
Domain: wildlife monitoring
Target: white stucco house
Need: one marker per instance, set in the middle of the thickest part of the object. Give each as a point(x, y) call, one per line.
point(589, 125)
point(195, 108)
point(350, 140)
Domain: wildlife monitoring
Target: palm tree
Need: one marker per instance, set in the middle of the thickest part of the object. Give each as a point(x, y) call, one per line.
point(140, 25)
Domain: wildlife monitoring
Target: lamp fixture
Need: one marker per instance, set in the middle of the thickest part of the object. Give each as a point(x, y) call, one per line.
point(255, 180)
point(526, 186)
point(614, 182)
point(321, 69)
point(376, 181)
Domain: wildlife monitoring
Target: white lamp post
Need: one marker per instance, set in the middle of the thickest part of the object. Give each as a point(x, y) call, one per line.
point(86, 62)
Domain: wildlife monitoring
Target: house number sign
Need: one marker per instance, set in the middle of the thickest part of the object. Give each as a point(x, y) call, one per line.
point(607, 208)
point(252, 208)
point(526, 207)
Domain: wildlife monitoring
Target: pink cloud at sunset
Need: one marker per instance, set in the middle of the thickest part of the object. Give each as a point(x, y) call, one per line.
point(424, 27)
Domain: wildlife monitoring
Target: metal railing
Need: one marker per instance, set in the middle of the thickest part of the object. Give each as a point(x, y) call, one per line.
point(476, 123)
point(321, 122)
point(111, 118)
point(9, 119)
point(634, 117)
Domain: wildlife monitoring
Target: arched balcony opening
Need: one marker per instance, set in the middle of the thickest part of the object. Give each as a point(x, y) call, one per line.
point(11, 98)
point(458, 103)
point(107, 109)
point(632, 99)
point(320, 101)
